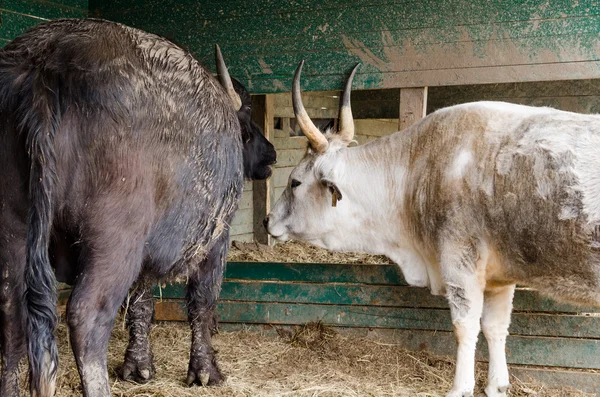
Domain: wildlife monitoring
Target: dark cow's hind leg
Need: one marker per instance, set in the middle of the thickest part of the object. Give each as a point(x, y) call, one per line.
point(138, 365)
point(202, 294)
point(12, 321)
point(111, 263)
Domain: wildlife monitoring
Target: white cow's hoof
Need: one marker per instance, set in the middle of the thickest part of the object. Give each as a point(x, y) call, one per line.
point(496, 391)
point(460, 393)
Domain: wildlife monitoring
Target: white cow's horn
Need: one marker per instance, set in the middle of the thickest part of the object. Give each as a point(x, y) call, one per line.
point(345, 119)
point(225, 79)
point(317, 140)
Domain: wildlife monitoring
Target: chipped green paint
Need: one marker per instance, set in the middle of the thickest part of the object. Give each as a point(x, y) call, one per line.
point(335, 293)
point(20, 15)
point(523, 324)
point(400, 43)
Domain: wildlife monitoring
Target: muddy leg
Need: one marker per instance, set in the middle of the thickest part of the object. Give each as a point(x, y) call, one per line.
point(138, 365)
point(110, 266)
point(203, 291)
point(464, 291)
point(12, 320)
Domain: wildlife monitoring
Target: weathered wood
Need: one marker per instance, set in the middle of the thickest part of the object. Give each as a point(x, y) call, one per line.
point(368, 295)
point(315, 273)
point(376, 128)
point(400, 43)
point(246, 201)
point(262, 113)
point(578, 95)
point(290, 157)
point(414, 331)
point(281, 176)
point(290, 142)
point(413, 106)
point(246, 238)
point(521, 350)
point(588, 382)
point(243, 217)
point(241, 229)
point(523, 324)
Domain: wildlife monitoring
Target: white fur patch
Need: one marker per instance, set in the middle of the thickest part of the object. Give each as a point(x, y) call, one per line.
point(461, 163)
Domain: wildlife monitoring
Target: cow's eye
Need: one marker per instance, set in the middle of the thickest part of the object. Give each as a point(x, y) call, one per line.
point(295, 183)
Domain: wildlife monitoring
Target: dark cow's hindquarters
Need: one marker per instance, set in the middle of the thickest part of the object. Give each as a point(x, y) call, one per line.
point(12, 320)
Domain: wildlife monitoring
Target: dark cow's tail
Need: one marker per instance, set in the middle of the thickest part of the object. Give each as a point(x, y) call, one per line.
point(39, 122)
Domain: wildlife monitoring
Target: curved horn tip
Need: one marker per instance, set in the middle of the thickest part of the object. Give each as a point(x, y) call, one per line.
point(316, 138)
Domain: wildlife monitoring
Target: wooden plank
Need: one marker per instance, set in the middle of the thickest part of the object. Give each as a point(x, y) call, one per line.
point(401, 44)
point(243, 217)
point(376, 128)
point(294, 142)
point(414, 15)
point(46, 9)
point(290, 157)
point(246, 238)
point(523, 350)
point(241, 229)
point(588, 382)
point(246, 201)
point(281, 176)
point(356, 315)
point(281, 134)
point(315, 273)
point(288, 111)
point(233, 9)
point(369, 295)
point(262, 113)
point(277, 192)
point(413, 106)
point(576, 95)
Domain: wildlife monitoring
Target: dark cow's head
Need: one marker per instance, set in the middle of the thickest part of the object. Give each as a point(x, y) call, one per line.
point(259, 153)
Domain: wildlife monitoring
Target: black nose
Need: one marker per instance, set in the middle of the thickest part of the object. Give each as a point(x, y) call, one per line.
point(266, 222)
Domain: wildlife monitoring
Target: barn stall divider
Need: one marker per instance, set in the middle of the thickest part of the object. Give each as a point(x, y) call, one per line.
point(556, 344)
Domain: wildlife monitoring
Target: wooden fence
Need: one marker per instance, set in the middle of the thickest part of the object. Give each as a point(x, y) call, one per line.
point(559, 343)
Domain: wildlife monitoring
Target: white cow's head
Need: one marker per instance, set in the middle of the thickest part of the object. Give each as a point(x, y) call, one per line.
point(318, 204)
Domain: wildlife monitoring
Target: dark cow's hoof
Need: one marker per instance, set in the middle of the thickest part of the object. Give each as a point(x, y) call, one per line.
point(203, 375)
point(140, 371)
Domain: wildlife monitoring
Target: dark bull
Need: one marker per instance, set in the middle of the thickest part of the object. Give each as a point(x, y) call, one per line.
point(122, 159)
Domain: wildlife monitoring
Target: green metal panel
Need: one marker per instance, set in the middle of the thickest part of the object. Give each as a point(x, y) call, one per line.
point(400, 43)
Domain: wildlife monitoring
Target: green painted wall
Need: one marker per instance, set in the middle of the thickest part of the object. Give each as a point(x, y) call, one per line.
point(401, 43)
point(19, 15)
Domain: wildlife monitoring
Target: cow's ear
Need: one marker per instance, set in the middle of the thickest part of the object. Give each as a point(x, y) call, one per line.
point(336, 195)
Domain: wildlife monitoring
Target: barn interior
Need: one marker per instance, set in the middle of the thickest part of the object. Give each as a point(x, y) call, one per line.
point(416, 56)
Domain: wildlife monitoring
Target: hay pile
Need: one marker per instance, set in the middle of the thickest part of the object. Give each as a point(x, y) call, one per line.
point(297, 252)
point(306, 361)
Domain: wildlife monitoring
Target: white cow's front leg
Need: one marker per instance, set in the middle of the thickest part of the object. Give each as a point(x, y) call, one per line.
point(464, 291)
point(495, 322)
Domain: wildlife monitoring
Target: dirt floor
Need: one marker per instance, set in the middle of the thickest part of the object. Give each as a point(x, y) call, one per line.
point(310, 361)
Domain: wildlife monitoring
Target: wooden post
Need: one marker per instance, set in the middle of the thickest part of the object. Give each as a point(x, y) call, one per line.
point(413, 106)
point(262, 114)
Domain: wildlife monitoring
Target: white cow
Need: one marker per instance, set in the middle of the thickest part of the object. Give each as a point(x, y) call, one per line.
point(468, 201)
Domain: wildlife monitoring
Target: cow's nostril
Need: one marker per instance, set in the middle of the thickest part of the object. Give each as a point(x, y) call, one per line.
point(266, 222)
